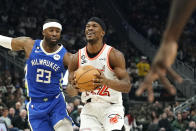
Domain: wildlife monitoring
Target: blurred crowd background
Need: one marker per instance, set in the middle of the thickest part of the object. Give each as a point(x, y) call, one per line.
point(147, 18)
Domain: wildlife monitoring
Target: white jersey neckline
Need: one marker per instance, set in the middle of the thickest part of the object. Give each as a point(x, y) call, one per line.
point(42, 48)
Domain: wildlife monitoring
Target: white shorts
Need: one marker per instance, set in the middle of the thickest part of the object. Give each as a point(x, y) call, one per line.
point(101, 117)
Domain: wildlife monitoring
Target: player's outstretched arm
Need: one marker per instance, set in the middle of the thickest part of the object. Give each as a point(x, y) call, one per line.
point(117, 63)
point(179, 14)
point(16, 44)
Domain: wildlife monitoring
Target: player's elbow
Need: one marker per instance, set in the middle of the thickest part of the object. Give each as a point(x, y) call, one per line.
point(128, 88)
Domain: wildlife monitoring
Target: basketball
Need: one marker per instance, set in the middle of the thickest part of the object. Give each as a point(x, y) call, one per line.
point(84, 77)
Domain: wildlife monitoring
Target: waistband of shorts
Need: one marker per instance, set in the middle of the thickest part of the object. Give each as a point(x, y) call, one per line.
point(44, 99)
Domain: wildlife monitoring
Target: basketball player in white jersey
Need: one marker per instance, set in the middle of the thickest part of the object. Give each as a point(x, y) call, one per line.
point(180, 12)
point(103, 109)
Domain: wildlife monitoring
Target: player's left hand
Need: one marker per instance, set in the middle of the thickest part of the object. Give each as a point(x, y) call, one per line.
point(100, 79)
point(160, 67)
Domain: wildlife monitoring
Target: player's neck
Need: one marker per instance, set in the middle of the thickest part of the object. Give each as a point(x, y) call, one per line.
point(95, 47)
point(49, 47)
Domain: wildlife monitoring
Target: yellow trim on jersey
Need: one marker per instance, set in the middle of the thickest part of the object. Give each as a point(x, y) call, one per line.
point(61, 80)
point(28, 114)
point(26, 82)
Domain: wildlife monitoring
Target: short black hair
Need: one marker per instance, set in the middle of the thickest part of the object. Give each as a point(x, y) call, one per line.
point(99, 21)
point(51, 20)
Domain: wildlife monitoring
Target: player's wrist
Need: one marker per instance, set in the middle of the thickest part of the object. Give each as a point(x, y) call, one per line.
point(5, 41)
point(107, 81)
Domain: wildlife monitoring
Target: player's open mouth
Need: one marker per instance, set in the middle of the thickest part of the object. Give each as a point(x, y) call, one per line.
point(53, 39)
point(90, 33)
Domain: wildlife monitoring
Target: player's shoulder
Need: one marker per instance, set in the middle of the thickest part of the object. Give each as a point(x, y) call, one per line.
point(28, 40)
point(115, 53)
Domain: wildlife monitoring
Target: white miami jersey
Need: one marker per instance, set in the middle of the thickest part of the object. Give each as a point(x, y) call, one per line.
point(101, 62)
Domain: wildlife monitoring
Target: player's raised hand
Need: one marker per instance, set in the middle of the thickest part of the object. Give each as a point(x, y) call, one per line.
point(160, 67)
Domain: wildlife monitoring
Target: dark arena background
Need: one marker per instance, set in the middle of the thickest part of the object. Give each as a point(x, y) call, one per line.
point(134, 27)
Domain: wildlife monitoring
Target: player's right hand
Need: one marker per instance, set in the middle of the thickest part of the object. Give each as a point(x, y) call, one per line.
point(75, 85)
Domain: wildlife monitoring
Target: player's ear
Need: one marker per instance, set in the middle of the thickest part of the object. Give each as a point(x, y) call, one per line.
point(103, 33)
point(43, 33)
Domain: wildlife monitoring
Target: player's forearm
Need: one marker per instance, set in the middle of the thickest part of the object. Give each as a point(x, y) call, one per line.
point(123, 86)
point(5, 42)
point(179, 14)
point(15, 44)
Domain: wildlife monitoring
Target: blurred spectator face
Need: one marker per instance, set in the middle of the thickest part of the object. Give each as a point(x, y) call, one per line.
point(11, 111)
point(193, 112)
point(184, 114)
point(170, 114)
point(5, 112)
point(12, 97)
point(8, 80)
point(70, 107)
point(76, 102)
point(18, 105)
point(166, 110)
point(1, 110)
point(179, 117)
point(164, 115)
point(144, 59)
point(23, 113)
point(192, 125)
point(162, 129)
point(9, 89)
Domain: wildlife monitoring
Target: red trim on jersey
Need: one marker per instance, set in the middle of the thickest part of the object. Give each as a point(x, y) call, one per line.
point(108, 61)
point(94, 58)
point(79, 56)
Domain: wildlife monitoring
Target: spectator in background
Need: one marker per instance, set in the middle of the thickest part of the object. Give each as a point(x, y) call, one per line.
point(192, 126)
point(153, 126)
point(143, 67)
point(185, 116)
point(70, 107)
point(7, 120)
point(75, 115)
point(17, 108)
point(164, 123)
point(1, 110)
point(178, 124)
point(11, 114)
point(21, 121)
point(11, 100)
point(193, 113)
point(76, 103)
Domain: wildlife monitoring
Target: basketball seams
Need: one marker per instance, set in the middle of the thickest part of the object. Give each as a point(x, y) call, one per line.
point(85, 82)
point(84, 73)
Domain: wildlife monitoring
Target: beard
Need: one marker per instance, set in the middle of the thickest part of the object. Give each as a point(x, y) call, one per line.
point(50, 42)
point(92, 41)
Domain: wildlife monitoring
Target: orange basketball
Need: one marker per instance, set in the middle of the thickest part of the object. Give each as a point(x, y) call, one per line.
point(84, 77)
